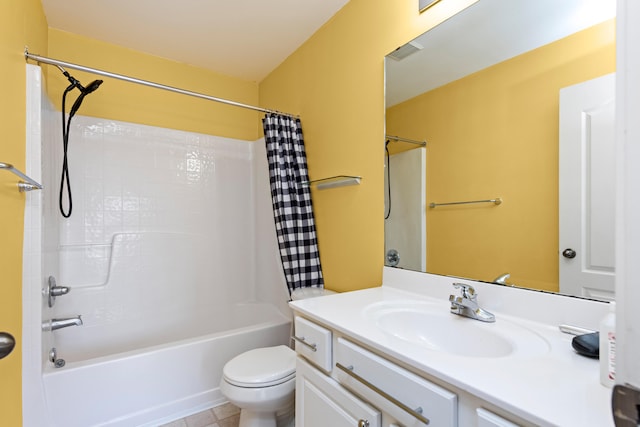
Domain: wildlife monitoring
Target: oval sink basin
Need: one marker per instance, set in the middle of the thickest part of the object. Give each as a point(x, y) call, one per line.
point(432, 326)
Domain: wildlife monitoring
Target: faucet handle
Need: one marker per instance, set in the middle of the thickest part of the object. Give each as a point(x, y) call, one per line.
point(468, 291)
point(454, 300)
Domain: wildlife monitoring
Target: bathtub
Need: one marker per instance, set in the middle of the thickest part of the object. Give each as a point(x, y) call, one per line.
point(156, 384)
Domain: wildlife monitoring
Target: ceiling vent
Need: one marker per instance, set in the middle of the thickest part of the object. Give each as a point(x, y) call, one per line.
point(405, 50)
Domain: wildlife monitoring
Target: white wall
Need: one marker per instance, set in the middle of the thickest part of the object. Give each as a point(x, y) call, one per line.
point(164, 238)
point(268, 266)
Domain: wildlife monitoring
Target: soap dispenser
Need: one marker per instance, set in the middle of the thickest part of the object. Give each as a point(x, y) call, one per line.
point(608, 347)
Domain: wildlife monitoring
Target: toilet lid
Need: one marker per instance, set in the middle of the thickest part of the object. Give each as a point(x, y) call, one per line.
point(261, 367)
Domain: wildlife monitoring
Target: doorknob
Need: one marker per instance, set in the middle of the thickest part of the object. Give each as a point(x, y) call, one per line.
point(569, 253)
point(7, 342)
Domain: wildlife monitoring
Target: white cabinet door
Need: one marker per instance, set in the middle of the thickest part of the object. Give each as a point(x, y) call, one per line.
point(322, 402)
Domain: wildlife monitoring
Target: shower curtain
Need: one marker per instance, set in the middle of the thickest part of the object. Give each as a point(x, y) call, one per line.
point(292, 207)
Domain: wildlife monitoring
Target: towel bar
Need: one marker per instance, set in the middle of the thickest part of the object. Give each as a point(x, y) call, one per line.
point(27, 184)
point(496, 201)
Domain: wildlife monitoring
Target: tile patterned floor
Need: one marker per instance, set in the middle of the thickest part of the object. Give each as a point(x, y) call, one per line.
point(227, 415)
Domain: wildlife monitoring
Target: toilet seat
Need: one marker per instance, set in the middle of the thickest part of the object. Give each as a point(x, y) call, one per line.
point(261, 367)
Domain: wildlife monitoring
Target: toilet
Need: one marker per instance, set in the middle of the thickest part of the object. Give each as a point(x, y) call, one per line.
point(261, 382)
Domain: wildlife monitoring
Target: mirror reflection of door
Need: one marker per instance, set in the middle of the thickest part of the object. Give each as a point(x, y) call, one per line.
point(405, 209)
point(587, 189)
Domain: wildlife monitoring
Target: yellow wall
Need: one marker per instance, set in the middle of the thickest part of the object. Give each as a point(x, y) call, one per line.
point(22, 22)
point(495, 134)
point(119, 100)
point(335, 81)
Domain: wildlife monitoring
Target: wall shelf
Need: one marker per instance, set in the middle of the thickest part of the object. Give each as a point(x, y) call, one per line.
point(333, 182)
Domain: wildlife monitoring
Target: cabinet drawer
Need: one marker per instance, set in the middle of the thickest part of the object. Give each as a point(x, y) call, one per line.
point(489, 419)
point(313, 342)
point(403, 388)
point(322, 402)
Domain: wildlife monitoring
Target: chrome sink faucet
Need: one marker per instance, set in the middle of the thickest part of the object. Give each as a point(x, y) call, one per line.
point(467, 304)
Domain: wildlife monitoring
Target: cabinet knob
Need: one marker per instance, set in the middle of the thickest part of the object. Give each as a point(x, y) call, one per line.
point(363, 423)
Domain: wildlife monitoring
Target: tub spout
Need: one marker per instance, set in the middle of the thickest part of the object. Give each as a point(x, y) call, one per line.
point(55, 324)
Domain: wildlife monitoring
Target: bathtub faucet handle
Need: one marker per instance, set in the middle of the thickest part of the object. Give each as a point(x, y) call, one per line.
point(53, 291)
point(56, 291)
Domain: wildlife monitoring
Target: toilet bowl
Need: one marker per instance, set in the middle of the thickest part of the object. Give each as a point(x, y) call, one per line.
point(261, 382)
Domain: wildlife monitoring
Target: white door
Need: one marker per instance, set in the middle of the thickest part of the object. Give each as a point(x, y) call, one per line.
point(405, 228)
point(628, 289)
point(322, 402)
point(587, 188)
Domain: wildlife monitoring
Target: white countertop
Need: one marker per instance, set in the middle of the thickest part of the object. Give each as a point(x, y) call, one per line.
point(556, 387)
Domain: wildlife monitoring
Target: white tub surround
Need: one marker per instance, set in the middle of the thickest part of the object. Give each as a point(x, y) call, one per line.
point(171, 257)
point(540, 380)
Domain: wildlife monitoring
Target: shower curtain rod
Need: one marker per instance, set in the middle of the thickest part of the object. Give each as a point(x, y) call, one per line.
point(56, 62)
point(410, 141)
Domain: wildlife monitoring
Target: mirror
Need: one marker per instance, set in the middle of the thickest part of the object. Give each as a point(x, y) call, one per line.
point(483, 89)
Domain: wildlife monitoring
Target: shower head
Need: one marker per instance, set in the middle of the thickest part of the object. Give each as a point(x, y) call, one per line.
point(91, 87)
point(83, 90)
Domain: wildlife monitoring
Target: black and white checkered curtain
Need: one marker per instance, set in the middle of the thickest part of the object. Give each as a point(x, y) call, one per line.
point(292, 208)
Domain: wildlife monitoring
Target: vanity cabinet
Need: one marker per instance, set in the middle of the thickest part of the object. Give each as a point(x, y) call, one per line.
point(340, 383)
